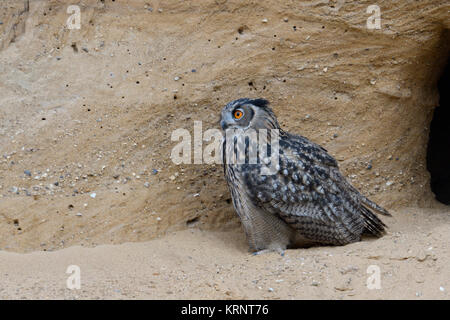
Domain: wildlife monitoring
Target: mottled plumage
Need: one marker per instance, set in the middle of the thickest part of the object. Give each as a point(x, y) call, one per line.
point(307, 201)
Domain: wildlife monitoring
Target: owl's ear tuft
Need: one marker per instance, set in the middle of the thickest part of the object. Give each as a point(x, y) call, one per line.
point(262, 103)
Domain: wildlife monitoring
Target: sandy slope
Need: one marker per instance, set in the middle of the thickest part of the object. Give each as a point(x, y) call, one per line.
point(413, 260)
point(91, 111)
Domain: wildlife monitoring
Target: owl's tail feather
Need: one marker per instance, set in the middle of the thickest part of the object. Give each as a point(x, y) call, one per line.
point(372, 205)
point(373, 225)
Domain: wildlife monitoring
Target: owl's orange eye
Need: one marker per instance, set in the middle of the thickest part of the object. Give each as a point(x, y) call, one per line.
point(238, 114)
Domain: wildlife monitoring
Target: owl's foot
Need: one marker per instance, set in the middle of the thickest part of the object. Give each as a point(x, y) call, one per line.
point(279, 250)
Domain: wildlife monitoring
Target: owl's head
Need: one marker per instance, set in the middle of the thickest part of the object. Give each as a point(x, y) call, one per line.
point(248, 113)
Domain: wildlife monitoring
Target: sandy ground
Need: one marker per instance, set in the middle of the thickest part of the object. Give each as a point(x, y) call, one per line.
point(413, 260)
point(91, 111)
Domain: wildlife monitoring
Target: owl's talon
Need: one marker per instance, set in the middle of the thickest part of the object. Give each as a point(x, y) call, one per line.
point(279, 250)
point(260, 252)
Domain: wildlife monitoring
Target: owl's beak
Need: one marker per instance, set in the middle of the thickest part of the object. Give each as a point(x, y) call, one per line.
point(223, 124)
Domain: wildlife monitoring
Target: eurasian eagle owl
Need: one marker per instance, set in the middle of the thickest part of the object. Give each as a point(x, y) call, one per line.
point(305, 201)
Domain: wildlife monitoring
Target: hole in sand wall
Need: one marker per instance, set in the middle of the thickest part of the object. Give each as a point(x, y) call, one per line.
point(438, 151)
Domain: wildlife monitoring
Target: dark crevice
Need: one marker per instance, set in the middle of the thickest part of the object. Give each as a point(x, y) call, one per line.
point(438, 151)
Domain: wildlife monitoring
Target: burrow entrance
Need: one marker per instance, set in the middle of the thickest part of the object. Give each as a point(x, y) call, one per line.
point(438, 151)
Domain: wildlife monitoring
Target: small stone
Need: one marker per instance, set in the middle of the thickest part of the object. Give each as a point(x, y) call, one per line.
point(79, 214)
point(270, 289)
point(265, 20)
point(442, 289)
point(389, 183)
point(27, 172)
point(154, 171)
point(146, 184)
point(93, 195)
point(160, 10)
point(349, 269)
point(285, 19)
point(176, 78)
point(343, 288)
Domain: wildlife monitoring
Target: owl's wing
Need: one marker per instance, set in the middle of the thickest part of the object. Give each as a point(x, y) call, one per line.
point(309, 193)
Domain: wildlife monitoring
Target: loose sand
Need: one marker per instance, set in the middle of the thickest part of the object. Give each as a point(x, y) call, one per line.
point(413, 259)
